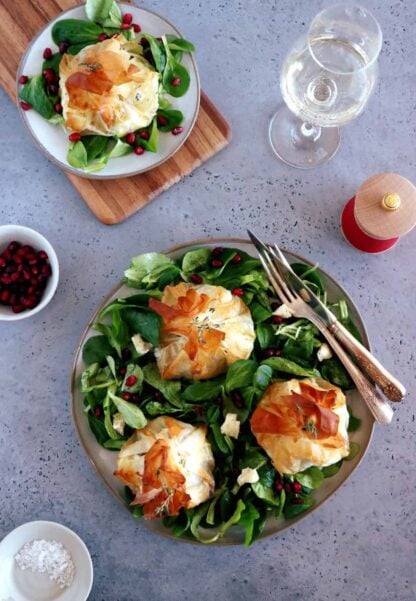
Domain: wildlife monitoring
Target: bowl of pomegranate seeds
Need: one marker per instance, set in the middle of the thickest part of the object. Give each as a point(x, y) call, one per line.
point(29, 272)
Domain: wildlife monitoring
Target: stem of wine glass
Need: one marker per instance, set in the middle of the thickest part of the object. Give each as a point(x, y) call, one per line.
point(306, 132)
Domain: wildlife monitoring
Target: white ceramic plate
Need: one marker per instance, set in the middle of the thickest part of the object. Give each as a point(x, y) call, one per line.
point(24, 585)
point(52, 140)
point(104, 462)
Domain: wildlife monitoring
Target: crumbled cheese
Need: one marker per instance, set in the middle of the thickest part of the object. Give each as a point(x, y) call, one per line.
point(283, 311)
point(231, 425)
point(142, 347)
point(118, 423)
point(47, 556)
point(247, 476)
point(324, 352)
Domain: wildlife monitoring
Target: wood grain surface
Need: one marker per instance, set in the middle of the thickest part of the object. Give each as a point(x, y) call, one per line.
point(111, 201)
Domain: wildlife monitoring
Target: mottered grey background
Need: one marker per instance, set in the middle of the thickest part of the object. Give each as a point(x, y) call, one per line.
point(360, 544)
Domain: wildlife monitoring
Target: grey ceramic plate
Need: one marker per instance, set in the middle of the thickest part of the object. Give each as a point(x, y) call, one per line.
point(104, 461)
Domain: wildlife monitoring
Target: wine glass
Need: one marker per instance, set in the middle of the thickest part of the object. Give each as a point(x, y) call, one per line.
point(326, 81)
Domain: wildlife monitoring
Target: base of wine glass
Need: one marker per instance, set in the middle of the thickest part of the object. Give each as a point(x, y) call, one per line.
point(299, 144)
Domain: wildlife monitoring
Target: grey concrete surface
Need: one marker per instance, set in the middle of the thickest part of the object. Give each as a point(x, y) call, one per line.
point(361, 544)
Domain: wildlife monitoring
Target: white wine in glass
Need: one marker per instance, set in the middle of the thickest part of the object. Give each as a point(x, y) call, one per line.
point(326, 81)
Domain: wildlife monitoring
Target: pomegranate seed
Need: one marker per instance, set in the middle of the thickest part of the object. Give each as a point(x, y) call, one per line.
point(135, 398)
point(217, 251)
point(126, 396)
point(43, 255)
point(162, 120)
point(98, 412)
point(13, 246)
point(53, 89)
point(63, 47)
point(102, 37)
point(144, 43)
point(58, 108)
point(23, 79)
point(25, 301)
point(236, 259)
point(25, 105)
point(46, 270)
point(198, 409)
point(18, 308)
point(31, 290)
point(4, 296)
point(144, 135)
point(139, 150)
point(268, 352)
point(277, 319)
point(158, 396)
point(176, 81)
point(123, 371)
point(6, 254)
point(237, 399)
point(217, 263)
point(130, 138)
point(26, 249)
point(297, 501)
point(177, 130)
point(137, 28)
point(2, 261)
point(15, 276)
point(196, 278)
point(74, 137)
point(12, 299)
point(47, 53)
point(237, 291)
point(33, 281)
point(49, 75)
point(278, 486)
point(126, 354)
point(287, 487)
point(131, 381)
point(297, 487)
point(5, 280)
point(125, 26)
point(128, 18)
point(35, 270)
point(277, 352)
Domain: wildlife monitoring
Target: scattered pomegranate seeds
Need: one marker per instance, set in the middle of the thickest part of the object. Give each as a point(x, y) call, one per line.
point(278, 486)
point(198, 409)
point(177, 130)
point(123, 371)
point(47, 53)
point(23, 79)
point(126, 396)
point(196, 278)
point(268, 352)
point(277, 319)
point(297, 487)
point(176, 81)
point(102, 37)
point(23, 276)
point(237, 291)
point(158, 395)
point(49, 75)
point(236, 259)
point(287, 487)
point(128, 18)
point(74, 137)
point(25, 105)
point(162, 120)
point(131, 381)
point(139, 150)
point(125, 26)
point(217, 251)
point(144, 135)
point(216, 263)
point(297, 501)
point(63, 47)
point(125, 354)
point(58, 108)
point(135, 398)
point(130, 138)
point(144, 43)
point(53, 89)
point(98, 412)
point(137, 28)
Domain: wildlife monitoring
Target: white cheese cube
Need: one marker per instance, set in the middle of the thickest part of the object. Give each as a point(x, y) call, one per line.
point(142, 347)
point(118, 423)
point(248, 476)
point(231, 425)
point(283, 311)
point(324, 352)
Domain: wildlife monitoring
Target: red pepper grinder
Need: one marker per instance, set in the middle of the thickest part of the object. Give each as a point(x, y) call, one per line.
point(382, 211)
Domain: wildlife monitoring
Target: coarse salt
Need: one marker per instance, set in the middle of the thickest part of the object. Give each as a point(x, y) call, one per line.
point(47, 556)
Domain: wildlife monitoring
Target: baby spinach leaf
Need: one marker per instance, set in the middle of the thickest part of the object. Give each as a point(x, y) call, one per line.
point(200, 514)
point(147, 269)
point(180, 44)
point(114, 444)
point(311, 478)
point(240, 374)
point(145, 323)
point(77, 155)
point(331, 470)
point(202, 391)
point(150, 144)
point(133, 370)
point(175, 77)
point(53, 62)
point(33, 92)
point(354, 422)
point(133, 415)
point(95, 377)
point(265, 334)
point(157, 52)
point(169, 388)
point(247, 519)
point(335, 372)
point(174, 118)
point(104, 12)
point(280, 364)
point(300, 349)
point(94, 146)
point(265, 493)
point(96, 349)
point(354, 450)
point(75, 31)
point(194, 259)
point(218, 438)
point(119, 149)
point(262, 377)
point(98, 429)
point(308, 274)
point(278, 512)
point(259, 313)
point(290, 510)
point(252, 457)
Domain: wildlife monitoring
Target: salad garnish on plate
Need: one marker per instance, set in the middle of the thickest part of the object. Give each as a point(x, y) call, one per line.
point(245, 425)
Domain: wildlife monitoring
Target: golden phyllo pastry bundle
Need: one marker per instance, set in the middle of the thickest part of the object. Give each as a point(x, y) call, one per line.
point(168, 465)
point(205, 329)
point(302, 423)
point(107, 89)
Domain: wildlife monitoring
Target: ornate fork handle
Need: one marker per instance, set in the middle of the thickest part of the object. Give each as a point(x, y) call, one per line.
point(392, 388)
point(381, 410)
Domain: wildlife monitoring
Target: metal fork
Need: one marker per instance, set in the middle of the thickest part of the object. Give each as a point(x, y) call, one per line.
point(380, 409)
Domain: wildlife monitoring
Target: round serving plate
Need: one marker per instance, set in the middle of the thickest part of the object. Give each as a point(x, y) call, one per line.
point(104, 462)
point(52, 140)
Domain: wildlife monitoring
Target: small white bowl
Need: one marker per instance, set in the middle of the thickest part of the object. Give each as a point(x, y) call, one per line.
point(26, 235)
point(24, 585)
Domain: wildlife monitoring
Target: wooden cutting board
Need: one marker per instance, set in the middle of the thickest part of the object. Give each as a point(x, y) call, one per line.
point(111, 201)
